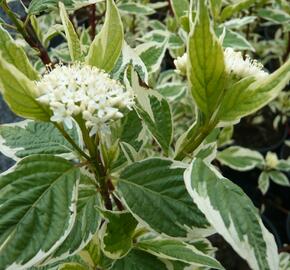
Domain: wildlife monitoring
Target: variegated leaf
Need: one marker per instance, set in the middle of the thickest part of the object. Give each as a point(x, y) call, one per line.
point(37, 209)
point(154, 192)
point(239, 158)
point(232, 214)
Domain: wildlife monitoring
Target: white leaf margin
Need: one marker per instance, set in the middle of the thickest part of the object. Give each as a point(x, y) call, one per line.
point(41, 255)
point(213, 216)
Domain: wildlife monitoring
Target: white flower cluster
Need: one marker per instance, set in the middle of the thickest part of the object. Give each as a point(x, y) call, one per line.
point(180, 64)
point(236, 65)
point(86, 91)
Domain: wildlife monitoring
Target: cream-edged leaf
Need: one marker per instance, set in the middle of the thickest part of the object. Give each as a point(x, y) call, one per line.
point(73, 41)
point(154, 192)
point(232, 214)
point(239, 158)
point(179, 251)
point(107, 45)
point(205, 64)
point(20, 92)
point(37, 209)
point(15, 55)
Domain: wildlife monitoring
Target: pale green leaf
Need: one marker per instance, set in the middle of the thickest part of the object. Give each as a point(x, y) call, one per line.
point(249, 95)
point(239, 22)
point(38, 6)
point(180, 251)
point(107, 45)
point(279, 178)
point(234, 40)
point(264, 182)
point(37, 209)
point(116, 233)
point(136, 9)
point(26, 138)
point(154, 192)
point(238, 6)
point(20, 92)
point(239, 158)
point(232, 214)
point(206, 68)
point(172, 90)
point(180, 7)
point(15, 55)
point(73, 41)
point(276, 16)
point(283, 165)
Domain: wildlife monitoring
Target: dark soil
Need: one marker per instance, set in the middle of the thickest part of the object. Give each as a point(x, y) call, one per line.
point(262, 137)
point(226, 255)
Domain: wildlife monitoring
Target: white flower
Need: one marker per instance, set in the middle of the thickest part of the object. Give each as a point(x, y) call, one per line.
point(180, 64)
point(85, 91)
point(237, 66)
point(271, 160)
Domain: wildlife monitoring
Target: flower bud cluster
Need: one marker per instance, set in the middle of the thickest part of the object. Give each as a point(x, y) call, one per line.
point(234, 64)
point(85, 91)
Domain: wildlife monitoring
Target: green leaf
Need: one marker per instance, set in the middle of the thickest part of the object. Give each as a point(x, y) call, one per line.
point(239, 22)
point(180, 7)
point(73, 41)
point(116, 233)
point(107, 45)
point(86, 223)
point(239, 158)
point(180, 251)
point(232, 214)
point(172, 90)
point(38, 6)
point(158, 120)
point(264, 182)
point(139, 260)
point(19, 140)
point(38, 209)
point(276, 16)
point(249, 95)
point(15, 55)
point(206, 68)
point(20, 93)
point(234, 40)
point(152, 54)
point(279, 178)
point(136, 9)
point(154, 192)
point(230, 10)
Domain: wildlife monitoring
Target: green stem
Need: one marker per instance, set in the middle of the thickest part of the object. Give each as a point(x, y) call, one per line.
point(194, 142)
point(71, 141)
point(95, 158)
